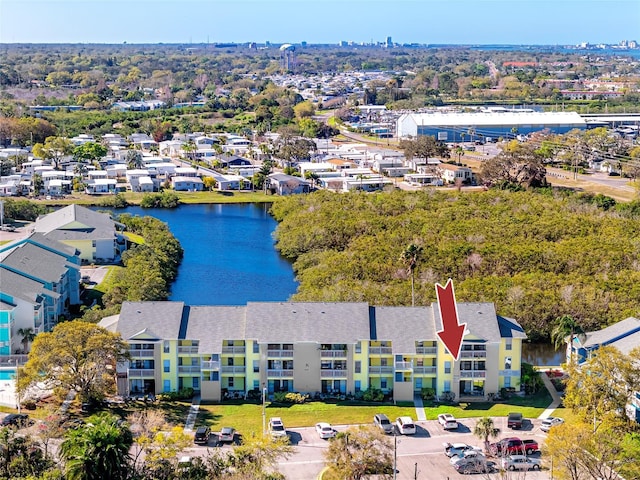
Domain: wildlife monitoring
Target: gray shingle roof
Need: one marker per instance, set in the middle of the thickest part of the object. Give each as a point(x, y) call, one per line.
point(37, 262)
point(75, 222)
point(212, 325)
point(161, 320)
point(308, 322)
point(628, 326)
point(19, 286)
point(404, 326)
point(479, 317)
point(63, 248)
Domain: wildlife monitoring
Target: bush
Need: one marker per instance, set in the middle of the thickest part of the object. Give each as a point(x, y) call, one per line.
point(428, 393)
point(373, 395)
point(290, 397)
point(447, 397)
point(116, 201)
point(160, 200)
point(183, 394)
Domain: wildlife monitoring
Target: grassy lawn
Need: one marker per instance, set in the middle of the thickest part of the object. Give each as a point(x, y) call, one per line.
point(247, 418)
point(103, 287)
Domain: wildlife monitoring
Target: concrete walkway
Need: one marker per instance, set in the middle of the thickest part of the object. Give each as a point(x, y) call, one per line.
point(193, 414)
point(420, 414)
point(557, 400)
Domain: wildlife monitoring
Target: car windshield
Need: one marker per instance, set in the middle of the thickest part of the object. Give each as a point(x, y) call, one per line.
point(384, 421)
point(277, 427)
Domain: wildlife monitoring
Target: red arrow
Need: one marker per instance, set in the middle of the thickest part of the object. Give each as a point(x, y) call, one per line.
point(451, 333)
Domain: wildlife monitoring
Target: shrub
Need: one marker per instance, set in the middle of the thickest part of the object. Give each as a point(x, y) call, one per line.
point(116, 201)
point(428, 393)
point(373, 395)
point(447, 397)
point(182, 394)
point(290, 397)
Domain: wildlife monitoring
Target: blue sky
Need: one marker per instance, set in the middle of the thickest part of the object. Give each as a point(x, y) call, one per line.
point(315, 21)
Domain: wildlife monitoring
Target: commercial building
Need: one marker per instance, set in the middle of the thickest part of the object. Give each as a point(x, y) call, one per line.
point(481, 126)
point(313, 347)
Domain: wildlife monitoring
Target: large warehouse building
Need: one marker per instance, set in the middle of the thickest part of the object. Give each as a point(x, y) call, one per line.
point(461, 127)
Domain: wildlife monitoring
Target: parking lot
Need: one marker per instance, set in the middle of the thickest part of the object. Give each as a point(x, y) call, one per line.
point(420, 456)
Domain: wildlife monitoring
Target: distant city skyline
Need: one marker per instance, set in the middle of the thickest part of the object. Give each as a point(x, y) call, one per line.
point(527, 22)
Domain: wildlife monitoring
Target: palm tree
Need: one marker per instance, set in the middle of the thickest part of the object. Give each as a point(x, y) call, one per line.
point(459, 151)
point(134, 159)
point(485, 429)
point(28, 335)
point(410, 257)
point(97, 450)
point(564, 327)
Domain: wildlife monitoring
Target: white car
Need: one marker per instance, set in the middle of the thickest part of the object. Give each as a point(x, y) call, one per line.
point(547, 423)
point(406, 426)
point(276, 427)
point(455, 449)
point(448, 421)
point(325, 430)
point(520, 462)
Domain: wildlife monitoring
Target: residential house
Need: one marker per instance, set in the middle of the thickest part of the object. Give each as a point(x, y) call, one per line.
point(624, 335)
point(101, 185)
point(454, 173)
point(187, 184)
point(282, 184)
point(95, 235)
point(314, 347)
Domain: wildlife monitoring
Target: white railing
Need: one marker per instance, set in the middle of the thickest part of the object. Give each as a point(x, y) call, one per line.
point(426, 350)
point(233, 350)
point(380, 351)
point(141, 372)
point(404, 365)
point(473, 354)
point(333, 374)
point(425, 370)
point(472, 374)
point(139, 353)
point(210, 365)
point(190, 349)
point(380, 370)
point(333, 353)
point(13, 360)
point(188, 368)
point(233, 369)
point(280, 353)
point(280, 373)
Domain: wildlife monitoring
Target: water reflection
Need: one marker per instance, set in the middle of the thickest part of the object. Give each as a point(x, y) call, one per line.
point(542, 354)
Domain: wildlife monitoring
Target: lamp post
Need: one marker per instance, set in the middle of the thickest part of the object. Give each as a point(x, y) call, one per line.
point(264, 411)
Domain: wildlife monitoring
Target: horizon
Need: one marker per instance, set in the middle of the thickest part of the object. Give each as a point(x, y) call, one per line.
point(317, 22)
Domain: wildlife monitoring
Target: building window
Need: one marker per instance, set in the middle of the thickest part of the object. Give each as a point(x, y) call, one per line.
point(358, 347)
point(507, 344)
point(230, 382)
point(383, 362)
point(215, 376)
point(256, 347)
point(398, 376)
point(383, 384)
point(507, 382)
point(447, 367)
point(447, 386)
point(507, 363)
point(196, 383)
point(166, 366)
point(357, 386)
point(256, 384)
point(358, 367)
point(166, 386)
point(166, 346)
point(256, 366)
point(230, 361)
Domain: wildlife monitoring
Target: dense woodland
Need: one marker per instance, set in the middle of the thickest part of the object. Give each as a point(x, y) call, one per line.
point(538, 255)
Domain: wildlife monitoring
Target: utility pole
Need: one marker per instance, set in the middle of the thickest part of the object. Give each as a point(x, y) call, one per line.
point(395, 457)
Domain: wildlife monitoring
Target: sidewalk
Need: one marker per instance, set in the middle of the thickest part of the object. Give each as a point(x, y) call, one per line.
point(193, 414)
point(557, 400)
point(420, 414)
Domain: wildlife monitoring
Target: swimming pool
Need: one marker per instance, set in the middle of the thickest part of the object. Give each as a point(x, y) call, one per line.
point(7, 375)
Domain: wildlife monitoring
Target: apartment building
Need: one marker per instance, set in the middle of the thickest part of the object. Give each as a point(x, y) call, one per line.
point(313, 347)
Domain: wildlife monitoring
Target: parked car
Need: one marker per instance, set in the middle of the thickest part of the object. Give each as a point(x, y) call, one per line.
point(515, 420)
point(455, 449)
point(405, 426)
point(15, 420)
point(466, 454)
point(448, 421)
point(276, 427)
point(547, 423)
point(227, 435)
point(530, 446)
point(520, 462)
point(472, 465)
point(381, 421)
point(508, 446)
point(325, 430)
point(202, 435)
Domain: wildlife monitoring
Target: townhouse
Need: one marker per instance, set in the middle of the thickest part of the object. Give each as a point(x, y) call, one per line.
point(313, 347)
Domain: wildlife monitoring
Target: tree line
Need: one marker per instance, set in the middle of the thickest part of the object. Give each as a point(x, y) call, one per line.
point(537, 255)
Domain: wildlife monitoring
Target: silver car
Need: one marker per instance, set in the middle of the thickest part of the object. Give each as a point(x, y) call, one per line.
point(521, 462)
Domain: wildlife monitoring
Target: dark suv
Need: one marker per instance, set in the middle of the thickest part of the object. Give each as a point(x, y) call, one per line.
point(202, 435)
point(15, 420)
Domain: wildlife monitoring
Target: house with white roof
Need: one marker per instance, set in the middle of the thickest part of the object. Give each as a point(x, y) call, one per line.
point(101, 185)
point(187, 184)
